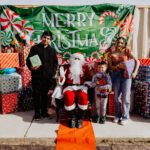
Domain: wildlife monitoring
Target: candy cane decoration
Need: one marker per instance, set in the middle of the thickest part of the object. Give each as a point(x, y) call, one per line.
point(27, 30)
point(10, 19)
point(90, 61)
point(95, 53)
point(105, 14)
point(127, 25)
point(11, 22)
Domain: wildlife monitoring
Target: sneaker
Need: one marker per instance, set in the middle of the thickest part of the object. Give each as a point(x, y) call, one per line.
point(124, 122)
point(116, 120)
point(37, 117)
point(79, 123)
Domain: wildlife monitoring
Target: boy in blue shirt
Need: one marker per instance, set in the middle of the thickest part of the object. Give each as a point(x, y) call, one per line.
point(102, 83)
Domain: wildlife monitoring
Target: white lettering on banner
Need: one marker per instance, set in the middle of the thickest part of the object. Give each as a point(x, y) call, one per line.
point(46, 21)
point(78, 39)
point(73, 37)
point(82, 42)
point(93, 40)
point(53, 41)
point(73, 40)
point(64, 39)
point(70, 20)
point(108, 33)
point(91, 18)
point(66, 44)
point(59, 38)
point(81, 19)
point(57, 19)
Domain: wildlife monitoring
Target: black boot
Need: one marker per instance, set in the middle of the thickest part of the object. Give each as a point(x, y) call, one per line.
point(71, 119)
point(79, 118)
point(72, 123)
point(79, 123)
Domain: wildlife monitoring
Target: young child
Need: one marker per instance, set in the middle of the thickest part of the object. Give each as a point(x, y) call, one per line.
point(57, 94)
point(102, 83)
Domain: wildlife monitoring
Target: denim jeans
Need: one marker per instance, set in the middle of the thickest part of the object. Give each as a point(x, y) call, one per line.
point(121, 87)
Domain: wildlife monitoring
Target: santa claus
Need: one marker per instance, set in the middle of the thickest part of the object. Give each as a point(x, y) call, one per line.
point(76, 73)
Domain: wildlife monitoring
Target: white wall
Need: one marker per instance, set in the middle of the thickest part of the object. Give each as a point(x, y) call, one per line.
point(72, 2)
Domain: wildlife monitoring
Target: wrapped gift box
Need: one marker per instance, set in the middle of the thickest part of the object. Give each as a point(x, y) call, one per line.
point(111, 105)
point(10, 83)
point(142, 98)
point(26, 76)
point(9, 60)
point(143, 73)
point(8, 103)
point(23, 55)
point(145, 62)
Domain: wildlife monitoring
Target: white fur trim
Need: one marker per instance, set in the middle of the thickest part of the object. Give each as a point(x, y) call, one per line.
point(88, 83)
point(78, 55)
point(69, 108)
point(76, 88)
point(83, 107)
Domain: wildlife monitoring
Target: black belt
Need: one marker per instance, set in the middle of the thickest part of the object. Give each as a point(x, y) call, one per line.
point(74, 84)
point(102, 96)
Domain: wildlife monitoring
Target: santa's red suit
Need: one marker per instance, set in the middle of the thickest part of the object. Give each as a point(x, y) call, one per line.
point(74, 88)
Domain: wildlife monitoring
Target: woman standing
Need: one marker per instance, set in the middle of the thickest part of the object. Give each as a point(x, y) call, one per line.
point(122, 83)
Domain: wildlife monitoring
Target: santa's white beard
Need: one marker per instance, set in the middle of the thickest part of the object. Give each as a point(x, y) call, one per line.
point(76, 71)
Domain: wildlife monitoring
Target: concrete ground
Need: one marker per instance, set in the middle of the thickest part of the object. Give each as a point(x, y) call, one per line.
point(21, 124)
point(21, 128)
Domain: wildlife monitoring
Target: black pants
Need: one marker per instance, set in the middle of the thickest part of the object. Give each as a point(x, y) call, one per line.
point(91, 95)
point(40, 97)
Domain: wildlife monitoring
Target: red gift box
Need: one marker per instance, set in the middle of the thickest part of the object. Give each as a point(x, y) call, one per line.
point(111, 105)
point(145, 62)
point(8, 103)
point(23, 55)
point(26, 76)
